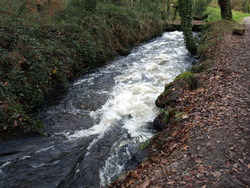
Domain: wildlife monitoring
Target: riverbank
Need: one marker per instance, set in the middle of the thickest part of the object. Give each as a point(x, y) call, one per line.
point(41, 49)
point(205, 144)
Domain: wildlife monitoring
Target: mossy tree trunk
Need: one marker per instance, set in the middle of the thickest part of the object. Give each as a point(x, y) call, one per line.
point(225, 7)
point(186, 14)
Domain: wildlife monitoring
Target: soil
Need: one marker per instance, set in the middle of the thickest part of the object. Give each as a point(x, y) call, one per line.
point(209, 145)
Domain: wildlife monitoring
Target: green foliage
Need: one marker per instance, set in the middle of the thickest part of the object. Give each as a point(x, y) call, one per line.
point(188, 78)
point(213, 14)
point(145, 144)
point(40, 51)
point(198, 68)
point(167, 114)
point(200, 7)
point(212, 36)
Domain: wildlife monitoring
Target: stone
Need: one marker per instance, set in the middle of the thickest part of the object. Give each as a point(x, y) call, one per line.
point(238, 31)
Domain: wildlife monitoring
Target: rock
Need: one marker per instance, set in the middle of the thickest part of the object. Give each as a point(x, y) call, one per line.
point(159, 124)
point(200, 17)
point(136, 159)
point(124, 51)
point(183, 82)
point(238, 31)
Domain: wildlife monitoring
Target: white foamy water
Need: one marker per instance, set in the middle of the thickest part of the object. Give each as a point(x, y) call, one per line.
point(132, 98)
point(96, 127)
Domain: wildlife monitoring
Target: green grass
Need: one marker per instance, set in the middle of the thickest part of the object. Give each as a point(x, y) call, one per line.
point(238, 16)
point(214, 15)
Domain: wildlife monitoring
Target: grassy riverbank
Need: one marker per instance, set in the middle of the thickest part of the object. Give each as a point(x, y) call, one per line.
point(40, 49)
point(215, 16)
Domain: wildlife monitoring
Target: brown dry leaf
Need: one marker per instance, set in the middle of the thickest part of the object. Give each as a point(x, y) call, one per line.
point(185, 146)
point(198, 160)
point(170, 183)
point(135, 175)
point(174, 133)
point(145, 184)
point(217, 174)
point(187, 178)
point(248, 166)
point(184, 116)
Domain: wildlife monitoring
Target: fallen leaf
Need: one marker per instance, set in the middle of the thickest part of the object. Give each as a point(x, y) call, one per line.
point(184, 147)
point(248, 166)
point(217, 174)
point(198, 160)
point(170, 183)
point(199, 175)
point(145, 184)
point(184, 116)
point(187, 178)
point(174, 133)
point(135, 175)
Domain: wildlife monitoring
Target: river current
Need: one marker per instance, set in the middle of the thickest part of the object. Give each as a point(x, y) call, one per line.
point(95, 128)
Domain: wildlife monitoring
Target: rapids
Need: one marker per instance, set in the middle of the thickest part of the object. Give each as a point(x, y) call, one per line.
point(95, 128)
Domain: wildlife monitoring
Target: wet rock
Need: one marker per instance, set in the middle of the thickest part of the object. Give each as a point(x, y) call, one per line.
point(90, 101)
point(65, 122)
point(170, 95)
point(159, 124)
point(183, 82)
point(136, 159)
point(238, 31)
point(124, 51)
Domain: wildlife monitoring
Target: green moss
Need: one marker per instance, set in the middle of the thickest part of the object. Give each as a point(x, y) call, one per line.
point(198, 68)
point(188, 79)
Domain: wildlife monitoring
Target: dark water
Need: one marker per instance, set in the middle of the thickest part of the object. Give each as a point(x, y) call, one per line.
point(94, 129)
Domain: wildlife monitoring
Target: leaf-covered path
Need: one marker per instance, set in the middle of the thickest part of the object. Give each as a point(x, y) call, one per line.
point(210, 146)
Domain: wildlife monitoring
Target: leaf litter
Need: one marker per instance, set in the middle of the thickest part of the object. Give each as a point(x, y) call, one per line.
point(209, 146)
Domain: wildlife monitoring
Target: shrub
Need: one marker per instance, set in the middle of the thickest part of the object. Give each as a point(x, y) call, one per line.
point(41, 50)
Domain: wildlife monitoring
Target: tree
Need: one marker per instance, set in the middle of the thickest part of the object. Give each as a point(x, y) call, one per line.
point(225, 7)
point(185, 11)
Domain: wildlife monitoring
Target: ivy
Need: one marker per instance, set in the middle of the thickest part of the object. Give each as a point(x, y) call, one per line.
point(185, 11)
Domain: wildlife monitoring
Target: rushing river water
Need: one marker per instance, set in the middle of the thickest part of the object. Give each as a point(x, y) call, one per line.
point(94, 129)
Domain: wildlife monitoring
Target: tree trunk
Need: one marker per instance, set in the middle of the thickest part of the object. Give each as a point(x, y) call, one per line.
point(225, 7)
point(185, 11)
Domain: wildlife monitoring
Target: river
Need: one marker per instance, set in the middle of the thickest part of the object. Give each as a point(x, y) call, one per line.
point(95, 128)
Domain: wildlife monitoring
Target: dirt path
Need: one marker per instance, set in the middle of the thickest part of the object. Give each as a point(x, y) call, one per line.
point(211, 144)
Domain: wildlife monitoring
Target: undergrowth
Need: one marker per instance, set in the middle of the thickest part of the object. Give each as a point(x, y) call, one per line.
point(213, 33)
point(40, 49)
